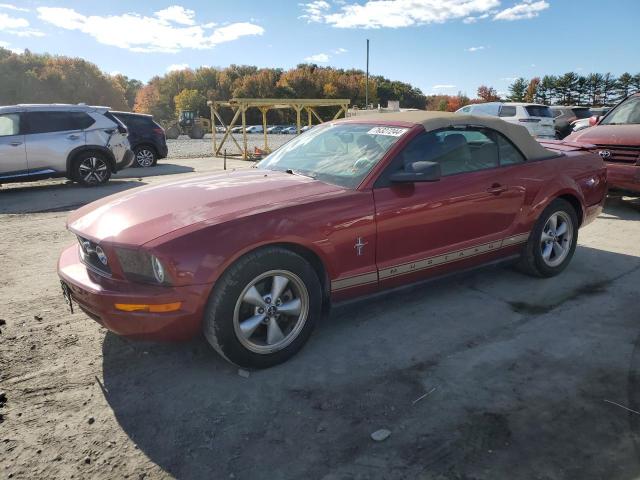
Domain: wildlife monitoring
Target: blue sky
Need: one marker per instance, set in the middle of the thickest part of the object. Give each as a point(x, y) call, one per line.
point(441, 46)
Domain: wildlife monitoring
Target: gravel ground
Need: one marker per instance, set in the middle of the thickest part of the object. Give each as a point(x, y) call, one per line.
point(487, 375)
point(185, 147)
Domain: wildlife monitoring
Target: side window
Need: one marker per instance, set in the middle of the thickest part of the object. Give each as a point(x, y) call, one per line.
point(556, 113)
point(9, 124)
point(509, 155)
point(507, 111)
point(45, 122)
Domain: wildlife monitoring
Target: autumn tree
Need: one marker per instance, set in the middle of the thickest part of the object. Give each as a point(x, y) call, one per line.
point(532, 90)
point(190, 100)
point(487, 94)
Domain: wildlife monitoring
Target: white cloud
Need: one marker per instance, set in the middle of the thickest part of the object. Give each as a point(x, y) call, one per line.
point(443, 87)
point(314, 11)
point(396, 13)
point(17, 26)
point(340, 50)
point(140, 33)
point(525, 10)
point(177, 67)
point(474, 49)
point(8, 6)
point(479, 17)
point(8, 22)
point(318, 58)
point(8, 46)
point(177, 14)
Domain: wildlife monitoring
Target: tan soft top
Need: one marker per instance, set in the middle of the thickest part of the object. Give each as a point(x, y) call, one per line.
point(519, 135)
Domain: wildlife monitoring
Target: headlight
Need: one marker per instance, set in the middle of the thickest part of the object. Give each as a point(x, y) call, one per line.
point(158, 269)
point(140, 266)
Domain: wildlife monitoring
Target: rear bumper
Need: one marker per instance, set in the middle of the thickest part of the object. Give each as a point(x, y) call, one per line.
point(626, 177)
point(96, 296)
point(163, 150)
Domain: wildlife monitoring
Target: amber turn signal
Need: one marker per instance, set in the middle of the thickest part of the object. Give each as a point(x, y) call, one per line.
point(158, 308)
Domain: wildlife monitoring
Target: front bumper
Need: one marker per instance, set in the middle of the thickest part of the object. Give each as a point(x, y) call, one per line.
point(625, 177)
point(96, 295)
point(127, 160)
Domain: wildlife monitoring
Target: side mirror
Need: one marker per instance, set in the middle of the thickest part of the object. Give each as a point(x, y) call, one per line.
point(418, 172)
point(594, 120)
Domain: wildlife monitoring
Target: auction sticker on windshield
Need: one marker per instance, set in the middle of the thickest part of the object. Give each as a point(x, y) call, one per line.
point(389, 131)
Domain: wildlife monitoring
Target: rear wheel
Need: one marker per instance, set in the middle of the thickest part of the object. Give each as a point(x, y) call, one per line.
point(172, 132)
point(197, 132)
point(552, 241)
point(145, 157)
point(90, 169)
point(264, 308)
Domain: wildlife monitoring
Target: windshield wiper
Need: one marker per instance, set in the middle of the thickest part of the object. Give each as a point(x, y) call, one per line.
point(299, 173)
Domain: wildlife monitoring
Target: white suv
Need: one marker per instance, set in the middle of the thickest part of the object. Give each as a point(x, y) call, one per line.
point(538, 119)
point(85, 144)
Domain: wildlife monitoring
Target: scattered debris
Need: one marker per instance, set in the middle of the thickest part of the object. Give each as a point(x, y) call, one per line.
point(37, 317)
point(424, 396)
point(321, 427)
point(3, 399)
point(381, 435)
point(244, 373)
point(87, 459)
point(622, 406)
point(91, 420)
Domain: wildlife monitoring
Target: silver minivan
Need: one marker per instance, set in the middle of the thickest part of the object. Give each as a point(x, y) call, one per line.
point(538, 119)
point(85, 144)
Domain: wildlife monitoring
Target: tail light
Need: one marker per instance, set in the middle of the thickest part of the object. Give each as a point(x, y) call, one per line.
point(529, 120)
point(158, 131)
point(122, 129)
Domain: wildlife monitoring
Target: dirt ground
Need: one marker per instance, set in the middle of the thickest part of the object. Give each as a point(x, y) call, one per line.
point(519, 373)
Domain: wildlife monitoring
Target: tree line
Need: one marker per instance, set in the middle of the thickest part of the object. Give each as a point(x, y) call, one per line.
point(189, 89)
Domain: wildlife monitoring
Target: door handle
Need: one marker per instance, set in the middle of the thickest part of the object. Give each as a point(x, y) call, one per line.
point(73, 136)
point(497, 189)
point(15, 144)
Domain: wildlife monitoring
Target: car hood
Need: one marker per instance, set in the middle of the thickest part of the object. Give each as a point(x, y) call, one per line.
point(628, 135)
point(135, 217)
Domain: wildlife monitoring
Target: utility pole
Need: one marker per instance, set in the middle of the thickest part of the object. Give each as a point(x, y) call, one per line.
point(366, 86)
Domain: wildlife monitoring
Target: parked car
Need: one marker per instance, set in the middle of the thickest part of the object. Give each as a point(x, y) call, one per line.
point(565, 116)
point(275, 129)
point(255, 129)
point(290, 130)
point(146, 137)
point(254, 257)
point(582, 123)
point(306, 127)
point(617, 140)
point(537, 119)
point(85, 144)
point(237, 129)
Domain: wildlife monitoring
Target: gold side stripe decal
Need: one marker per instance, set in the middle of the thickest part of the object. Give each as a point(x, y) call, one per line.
point(426, 263)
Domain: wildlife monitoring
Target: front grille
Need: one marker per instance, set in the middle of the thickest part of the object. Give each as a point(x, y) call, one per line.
point(619, 154)
point(89, 255)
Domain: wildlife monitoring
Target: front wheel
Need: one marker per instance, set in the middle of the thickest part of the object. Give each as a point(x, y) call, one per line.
point(91, 169)
point(264, 308)
point(552, 241)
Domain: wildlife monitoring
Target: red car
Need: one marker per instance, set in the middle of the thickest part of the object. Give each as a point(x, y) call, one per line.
point(617, 140)
point(254, 257)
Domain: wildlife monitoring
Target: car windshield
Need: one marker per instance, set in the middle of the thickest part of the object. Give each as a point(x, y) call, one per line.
point(538, 111)
point(628, 112)
point(341, 154)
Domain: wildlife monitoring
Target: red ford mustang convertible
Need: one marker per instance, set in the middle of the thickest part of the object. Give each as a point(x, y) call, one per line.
point(253, 258)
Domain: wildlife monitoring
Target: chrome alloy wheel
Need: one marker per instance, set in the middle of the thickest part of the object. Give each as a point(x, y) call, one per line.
point(93, 170)
point(555, 241)
point(271, 311)
point(144, 158)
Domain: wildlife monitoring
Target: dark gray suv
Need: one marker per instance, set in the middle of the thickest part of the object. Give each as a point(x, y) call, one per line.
point(85, 144)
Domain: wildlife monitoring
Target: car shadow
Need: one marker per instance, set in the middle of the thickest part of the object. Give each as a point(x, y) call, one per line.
point(159, 169)
point(56, 195)
point(495, 397)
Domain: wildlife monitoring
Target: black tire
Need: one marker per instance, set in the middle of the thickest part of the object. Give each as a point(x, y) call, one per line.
point(145, 156)
point(221, 318)
point(197, 132)
point(173, 132)
point(90, 169)
point(532, 261)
